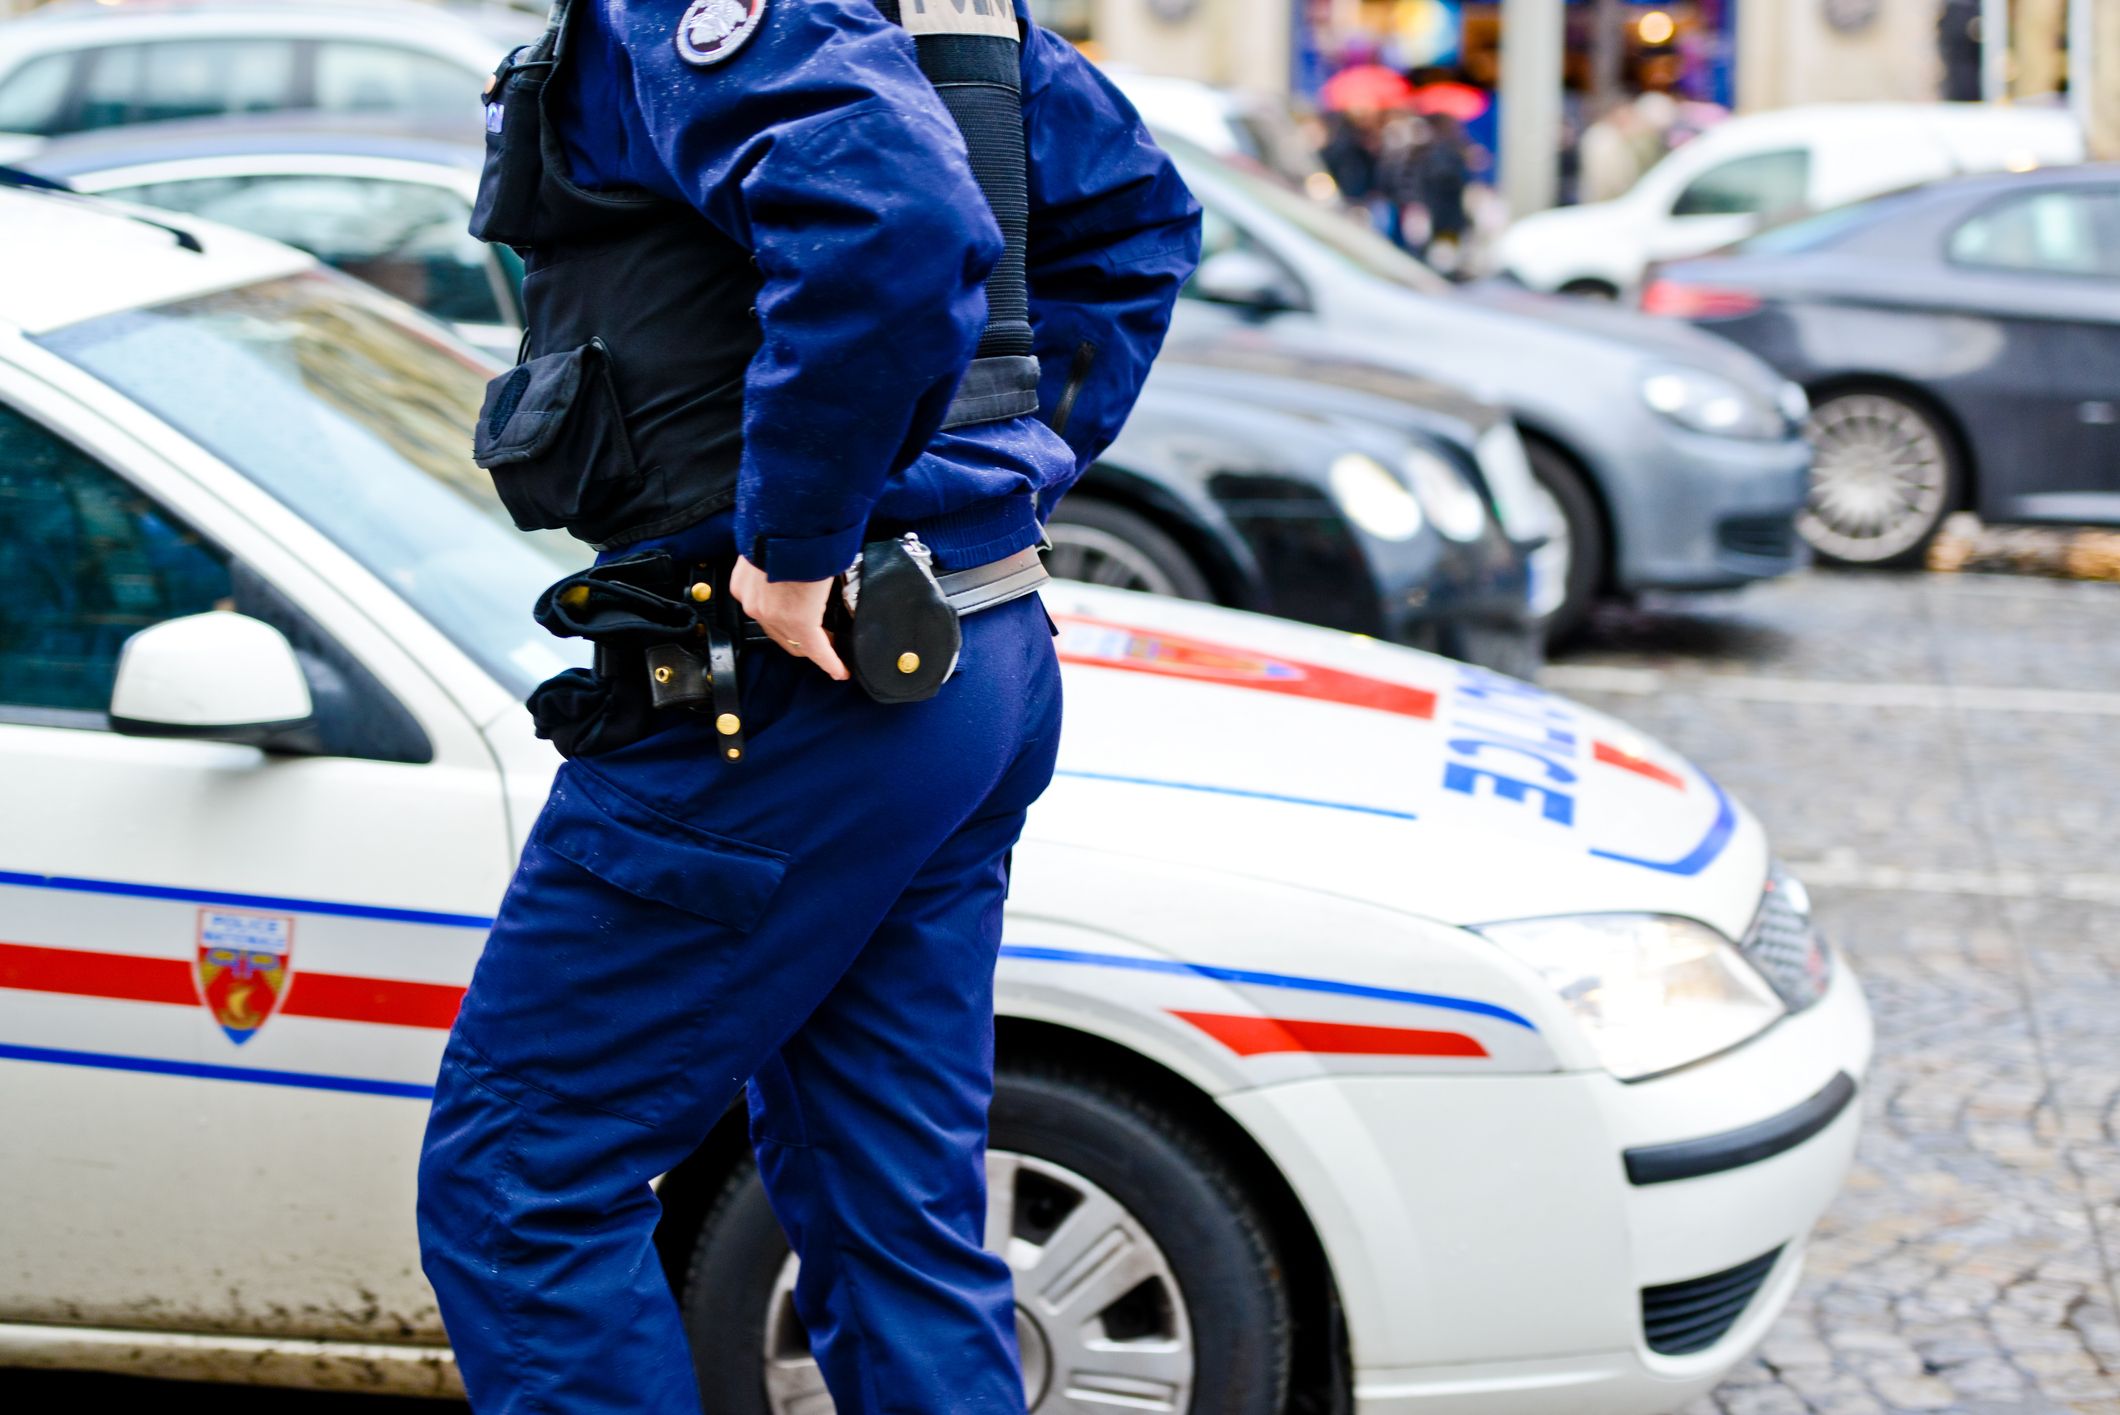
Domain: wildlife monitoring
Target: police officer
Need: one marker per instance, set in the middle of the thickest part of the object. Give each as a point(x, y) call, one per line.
point(804, 277)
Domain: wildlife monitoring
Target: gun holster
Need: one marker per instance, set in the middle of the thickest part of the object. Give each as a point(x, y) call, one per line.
point(664, 640)
point(902, 638)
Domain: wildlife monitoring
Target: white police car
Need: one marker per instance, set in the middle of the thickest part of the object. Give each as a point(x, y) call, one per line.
point(1368, 1023)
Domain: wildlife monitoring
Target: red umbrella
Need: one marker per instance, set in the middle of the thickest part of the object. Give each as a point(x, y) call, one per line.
point(1451, 100)
point(1366, 86)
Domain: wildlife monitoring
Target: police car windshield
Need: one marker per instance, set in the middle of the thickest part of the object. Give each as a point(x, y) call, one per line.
point(359, 420)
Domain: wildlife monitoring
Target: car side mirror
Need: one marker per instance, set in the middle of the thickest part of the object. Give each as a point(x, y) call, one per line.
point(217, 677)
point(1245, 278)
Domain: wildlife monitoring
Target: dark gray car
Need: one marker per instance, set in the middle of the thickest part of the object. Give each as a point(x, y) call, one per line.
point(1960, 343)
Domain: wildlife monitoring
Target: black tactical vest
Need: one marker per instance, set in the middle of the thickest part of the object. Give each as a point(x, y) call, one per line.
point(624, 417)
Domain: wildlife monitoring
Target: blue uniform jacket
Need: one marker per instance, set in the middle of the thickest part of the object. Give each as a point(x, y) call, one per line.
point(820, 147)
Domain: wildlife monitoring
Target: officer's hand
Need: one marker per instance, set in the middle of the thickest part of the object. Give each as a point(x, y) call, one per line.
point(792, 611)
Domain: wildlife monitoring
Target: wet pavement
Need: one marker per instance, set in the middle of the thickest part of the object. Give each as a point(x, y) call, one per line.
point(1934, 755)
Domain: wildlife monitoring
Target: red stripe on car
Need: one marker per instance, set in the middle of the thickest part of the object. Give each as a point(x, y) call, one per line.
point(1099, 643)
point(1262, 1036)
point(132, 977)
point(1613, 756)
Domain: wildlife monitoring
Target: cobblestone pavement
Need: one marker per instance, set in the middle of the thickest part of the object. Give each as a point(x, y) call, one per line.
point(1934, 755)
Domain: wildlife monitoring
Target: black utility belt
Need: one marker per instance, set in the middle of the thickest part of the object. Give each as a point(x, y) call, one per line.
point(670, 637)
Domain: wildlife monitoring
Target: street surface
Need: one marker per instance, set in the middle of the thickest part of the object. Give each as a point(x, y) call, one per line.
point(1933, 754)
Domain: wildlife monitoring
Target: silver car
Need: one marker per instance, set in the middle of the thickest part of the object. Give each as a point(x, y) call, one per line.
point(1677, 460)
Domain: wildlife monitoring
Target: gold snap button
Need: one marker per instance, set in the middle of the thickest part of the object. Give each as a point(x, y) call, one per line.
point(908, 662)
point(702, 591)
point(727, 724)
point(663, 675)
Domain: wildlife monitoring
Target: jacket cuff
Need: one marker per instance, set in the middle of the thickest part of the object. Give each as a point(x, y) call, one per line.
point(807, 557)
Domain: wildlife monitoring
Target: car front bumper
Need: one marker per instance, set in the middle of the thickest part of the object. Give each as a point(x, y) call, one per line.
point(1492, 1253)
point(1694, 512)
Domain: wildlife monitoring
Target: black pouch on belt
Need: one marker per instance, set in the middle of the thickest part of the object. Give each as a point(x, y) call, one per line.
point(626, 608)
point(902, 643)
point(553, 435)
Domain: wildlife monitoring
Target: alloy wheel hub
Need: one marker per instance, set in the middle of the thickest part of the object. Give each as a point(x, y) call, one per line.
point(1100, 1321)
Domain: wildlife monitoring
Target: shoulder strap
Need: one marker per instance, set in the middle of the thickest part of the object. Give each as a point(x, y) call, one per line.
point(971, 51)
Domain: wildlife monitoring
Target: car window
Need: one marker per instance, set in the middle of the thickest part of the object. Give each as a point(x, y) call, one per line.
point(87, 561)
point(408, 238)
point(357, 419)
point(1335, 231)
point(382, 78)
point(190, 78)
point(31, 97)
point(1765, 182)
point(2058, 232)
point(1833, 226)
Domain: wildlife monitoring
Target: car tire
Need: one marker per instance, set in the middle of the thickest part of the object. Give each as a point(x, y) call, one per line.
point(1584, 575)
point(1067, 1147)
point(1885, 473)
point(1590, 287)
point(1103, 543)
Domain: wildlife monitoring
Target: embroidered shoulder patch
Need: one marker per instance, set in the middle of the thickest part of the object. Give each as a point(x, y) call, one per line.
point(712, 30)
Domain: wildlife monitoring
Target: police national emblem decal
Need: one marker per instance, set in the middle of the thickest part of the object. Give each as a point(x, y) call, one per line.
point(712, 30)
point(242, 968)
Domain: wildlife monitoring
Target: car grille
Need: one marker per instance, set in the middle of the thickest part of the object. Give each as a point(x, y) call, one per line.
point(1682, 1317)
point(1784, 945)
point(1772, 537)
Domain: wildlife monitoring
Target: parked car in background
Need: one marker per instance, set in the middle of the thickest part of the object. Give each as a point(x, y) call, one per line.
point(1674, 463)
point(382, 200)
point(1230, 123)
point(1277, 494)
point(77, 67)
point(1319, 972)
point(1960, 343)
point(1260, 499)
point(1754, 170)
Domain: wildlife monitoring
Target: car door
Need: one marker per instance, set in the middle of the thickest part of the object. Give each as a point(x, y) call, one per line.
point(2043, 266)
point(225, 974)
point(396, 225)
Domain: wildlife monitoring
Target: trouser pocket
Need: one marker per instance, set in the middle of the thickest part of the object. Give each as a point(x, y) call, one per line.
point(602, 979)
point(553, 434)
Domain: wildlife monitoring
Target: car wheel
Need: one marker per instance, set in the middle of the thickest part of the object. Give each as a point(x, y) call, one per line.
point(1101, 543)
point(1884, 475)
point(1574, 559)
point(1144, 1277)
point(1589, 287)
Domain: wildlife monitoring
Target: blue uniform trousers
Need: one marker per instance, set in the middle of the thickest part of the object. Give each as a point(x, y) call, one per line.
point(820, 919)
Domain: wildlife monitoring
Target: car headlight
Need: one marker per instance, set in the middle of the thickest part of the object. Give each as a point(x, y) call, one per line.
point(1525, 510)
point(1374, 499)
point(1452, 502)
point(1795, 403)
point(1708, 402)
point(1653, 992)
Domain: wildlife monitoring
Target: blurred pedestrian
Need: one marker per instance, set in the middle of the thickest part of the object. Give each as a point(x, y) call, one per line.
point(1441, 174)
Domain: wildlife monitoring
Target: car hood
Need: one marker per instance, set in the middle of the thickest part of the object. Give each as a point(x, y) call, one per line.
point(1312, 372)
point(1231, 742)
point(1646, 334)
